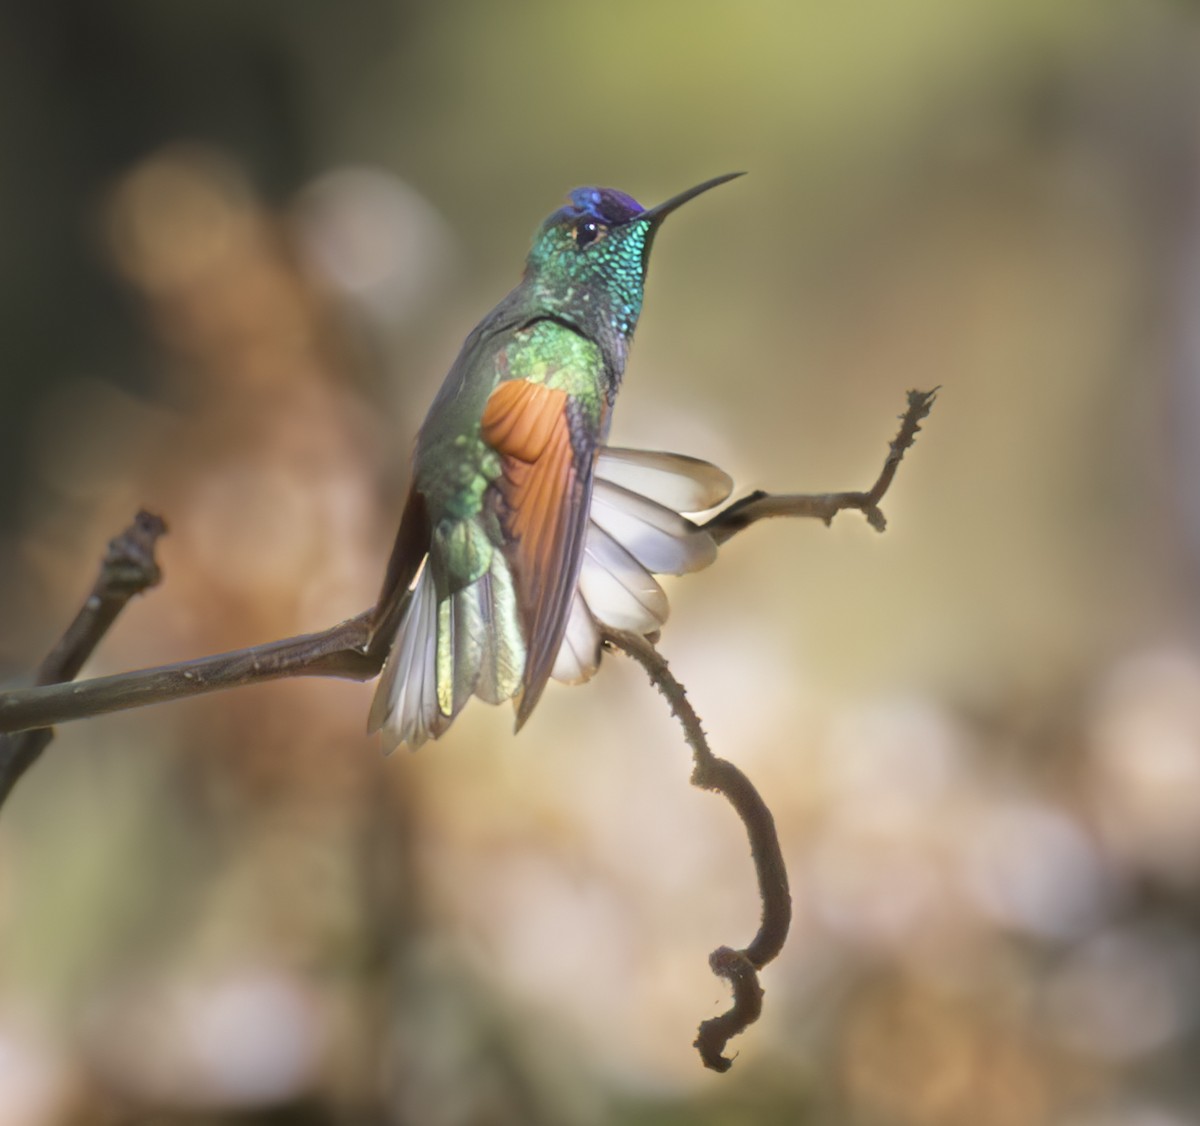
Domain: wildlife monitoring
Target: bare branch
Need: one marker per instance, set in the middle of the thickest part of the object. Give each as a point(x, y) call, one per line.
point(739, 967)
point(129, 567)
point(341, 651)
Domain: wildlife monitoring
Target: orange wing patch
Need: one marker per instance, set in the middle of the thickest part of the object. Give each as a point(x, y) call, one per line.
point(527, 424)
point(542, 511)
point(521, 417)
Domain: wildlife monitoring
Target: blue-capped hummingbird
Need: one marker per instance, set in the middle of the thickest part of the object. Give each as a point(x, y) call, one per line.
point(523, 534)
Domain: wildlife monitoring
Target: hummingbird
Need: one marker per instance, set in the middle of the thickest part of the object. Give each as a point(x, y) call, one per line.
point(523, 534)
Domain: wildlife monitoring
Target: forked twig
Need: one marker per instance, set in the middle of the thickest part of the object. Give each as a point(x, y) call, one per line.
point(759, 505)
point(128, 568)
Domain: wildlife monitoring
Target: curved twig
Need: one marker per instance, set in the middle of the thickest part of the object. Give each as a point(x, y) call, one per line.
point(739, 967)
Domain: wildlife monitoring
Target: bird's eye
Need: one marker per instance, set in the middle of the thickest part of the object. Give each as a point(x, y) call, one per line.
point(588, 231)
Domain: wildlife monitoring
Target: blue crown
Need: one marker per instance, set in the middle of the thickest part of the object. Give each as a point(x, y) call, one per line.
point(605, 205)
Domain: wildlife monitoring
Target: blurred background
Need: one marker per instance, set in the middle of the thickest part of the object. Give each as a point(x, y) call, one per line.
point(241, 245)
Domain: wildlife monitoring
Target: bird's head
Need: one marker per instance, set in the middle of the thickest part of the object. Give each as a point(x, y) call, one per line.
point(589, 258)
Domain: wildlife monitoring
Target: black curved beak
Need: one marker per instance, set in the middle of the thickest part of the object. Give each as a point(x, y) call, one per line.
point(656, 214)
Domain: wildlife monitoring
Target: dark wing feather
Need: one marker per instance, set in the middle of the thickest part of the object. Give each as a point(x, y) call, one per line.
point(412, 545)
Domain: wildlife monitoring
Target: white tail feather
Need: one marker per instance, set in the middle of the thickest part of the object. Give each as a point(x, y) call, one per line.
point(618, 590)
point(635, 531)
point(579, 656)
point(664, 542)
point(405, 705)
point(685, 484)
